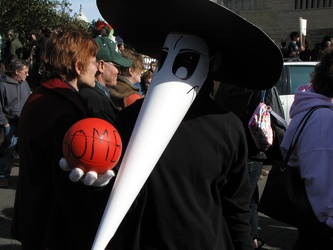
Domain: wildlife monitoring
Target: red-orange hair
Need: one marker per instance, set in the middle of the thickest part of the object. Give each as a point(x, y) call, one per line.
point(66, 47)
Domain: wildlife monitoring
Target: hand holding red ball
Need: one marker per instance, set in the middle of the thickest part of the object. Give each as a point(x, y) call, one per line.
point(92, 144)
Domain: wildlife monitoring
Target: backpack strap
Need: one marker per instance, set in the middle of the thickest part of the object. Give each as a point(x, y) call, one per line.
point(272, 112)
point(299, 130)
point(279, 118)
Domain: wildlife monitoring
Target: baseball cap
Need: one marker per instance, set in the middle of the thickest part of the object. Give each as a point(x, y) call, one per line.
point(109, 52)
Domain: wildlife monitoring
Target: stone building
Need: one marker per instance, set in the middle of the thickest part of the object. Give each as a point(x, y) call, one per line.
point(278, 18)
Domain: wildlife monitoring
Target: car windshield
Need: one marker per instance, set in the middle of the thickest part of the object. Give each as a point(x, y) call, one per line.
point(299, 75)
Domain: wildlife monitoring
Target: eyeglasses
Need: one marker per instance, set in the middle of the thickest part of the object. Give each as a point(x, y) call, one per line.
point(115, 65)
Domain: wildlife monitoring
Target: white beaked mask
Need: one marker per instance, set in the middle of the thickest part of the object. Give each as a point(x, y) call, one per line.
point(180, 74)
point(184, 58)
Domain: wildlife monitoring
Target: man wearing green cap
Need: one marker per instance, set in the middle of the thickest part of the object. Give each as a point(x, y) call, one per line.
point(108, 62)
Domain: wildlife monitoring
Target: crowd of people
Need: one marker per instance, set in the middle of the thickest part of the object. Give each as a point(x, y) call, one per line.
point(299, 50)
point(204, 182)
point(12, 48)
point(26, 74)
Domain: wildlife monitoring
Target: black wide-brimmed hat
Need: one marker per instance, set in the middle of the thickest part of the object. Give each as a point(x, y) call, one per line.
point(250, 58)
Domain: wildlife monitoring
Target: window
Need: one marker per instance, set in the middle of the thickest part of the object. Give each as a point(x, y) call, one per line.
point(299, 75)
point(313, 4)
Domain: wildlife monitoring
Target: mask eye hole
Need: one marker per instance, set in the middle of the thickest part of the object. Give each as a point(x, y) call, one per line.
point(185, 64)
point(186, 58)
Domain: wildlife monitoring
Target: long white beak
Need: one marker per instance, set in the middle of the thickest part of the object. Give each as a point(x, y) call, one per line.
point(164, 107)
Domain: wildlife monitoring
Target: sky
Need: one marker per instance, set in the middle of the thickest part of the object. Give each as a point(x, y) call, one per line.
point(89, 9)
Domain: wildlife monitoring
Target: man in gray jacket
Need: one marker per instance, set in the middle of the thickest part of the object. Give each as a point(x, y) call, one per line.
point(14, 91)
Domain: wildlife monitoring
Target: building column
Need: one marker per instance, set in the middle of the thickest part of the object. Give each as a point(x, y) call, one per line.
point(315, 4)
point(308, 4)
point(320, 4)
point(327, 3)
point(303, 7)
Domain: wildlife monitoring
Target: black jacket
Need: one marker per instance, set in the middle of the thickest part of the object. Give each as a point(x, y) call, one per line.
point(98, 104)
point(197, 196)
point(50, 211)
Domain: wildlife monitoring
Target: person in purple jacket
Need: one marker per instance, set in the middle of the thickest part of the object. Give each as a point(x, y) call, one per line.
point(313, 153)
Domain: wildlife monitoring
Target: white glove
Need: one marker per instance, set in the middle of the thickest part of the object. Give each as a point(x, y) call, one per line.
point(90, 179)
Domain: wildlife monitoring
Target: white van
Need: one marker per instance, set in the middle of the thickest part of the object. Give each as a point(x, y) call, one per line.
point(294, 73)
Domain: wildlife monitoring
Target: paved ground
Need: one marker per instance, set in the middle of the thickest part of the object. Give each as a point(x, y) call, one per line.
point(277, 236)
point(6, 210)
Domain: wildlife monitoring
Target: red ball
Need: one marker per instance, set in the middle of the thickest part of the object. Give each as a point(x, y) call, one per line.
point(92, 144)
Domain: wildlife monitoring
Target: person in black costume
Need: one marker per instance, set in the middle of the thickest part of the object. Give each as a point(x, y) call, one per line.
point(191, 160)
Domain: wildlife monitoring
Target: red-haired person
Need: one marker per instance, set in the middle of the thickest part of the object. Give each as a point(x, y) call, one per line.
point(51, 211)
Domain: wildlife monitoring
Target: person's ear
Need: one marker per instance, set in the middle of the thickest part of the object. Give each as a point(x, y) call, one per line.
point(100, 65)
point(78, 69)
point(131, 70)
point(216, 61)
